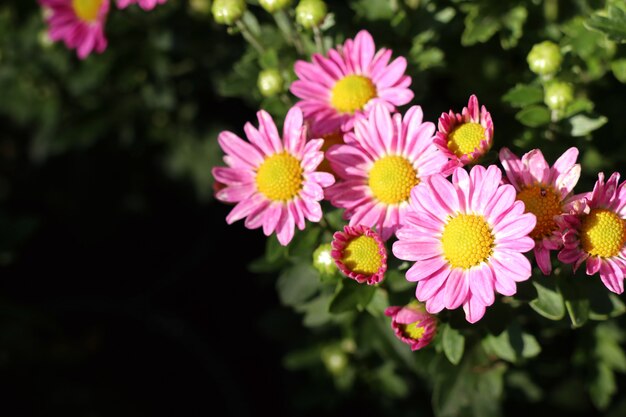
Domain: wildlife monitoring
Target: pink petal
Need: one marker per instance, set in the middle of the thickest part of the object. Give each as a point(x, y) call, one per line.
point(612, 276)
point(564, 163)
point(285, 228)
point(425, 268)
point(293, 133)
point(481, 282)
point(245, 207)
point(364, 50)
point(245, 154)
point(269, 131)
point(474, 309)
point(271, 218)
point(593, 265)
point(415, 250)
point(542, 257)
point(428, 287)
point(456, 289)
point(536, 164)
point(232, 176)
point(512, 167)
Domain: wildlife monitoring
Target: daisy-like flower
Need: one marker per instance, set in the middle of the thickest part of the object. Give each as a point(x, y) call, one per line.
point(78, 23)
point(349, 81)
point(412, 324)
point(464, 137)
point(545, 192)
point(360, 254)
point(144, 4)
point(467, 239)
point(332, 134)
point(595, 232)
point(380, 163)
point(273, 181)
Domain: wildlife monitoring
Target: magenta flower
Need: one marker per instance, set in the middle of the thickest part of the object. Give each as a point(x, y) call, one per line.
point(360, 254)
point(412, 324)
point(382, 160)
point(78, 23)
point(465, 137)
point(595, 232)
point(349, 81)
point(144, 4)
point(545, 192)
point(467, 239)
point(273, 181)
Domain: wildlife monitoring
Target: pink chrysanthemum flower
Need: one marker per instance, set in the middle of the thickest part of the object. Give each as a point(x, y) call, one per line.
point(544, 191)
point(412, 324)
point(467, 238)
point(595, 232)
point(144, 4)
point(273, 181)
point(360, 254)
point(78, 23)
point(465, 137)
point(349, 81)
point(380, 163)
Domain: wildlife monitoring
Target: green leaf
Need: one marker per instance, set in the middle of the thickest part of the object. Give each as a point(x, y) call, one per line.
point(351, 296)
point(602, 386)
point(397, 281)
point(576, 301)
point(549, 302)
point(373, 9)
point(479, 26)
point(269, 59)
point(297, 284)
point(390, 382)
point(302, 359)
point(522, 95)
point(512, 345)
point(579, 105)
point(274, 250)
point(612, 25)
point(453, 344)
point(534, 116)
point(514, 21)
point(305, 242)
point(379, 303)
point(582, 125)
point(335, 219)
point(619, 69)
point(316, 311)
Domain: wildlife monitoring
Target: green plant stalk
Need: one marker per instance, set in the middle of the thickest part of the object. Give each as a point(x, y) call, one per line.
point(319, 44)
point(249, 37)
point(288, 30)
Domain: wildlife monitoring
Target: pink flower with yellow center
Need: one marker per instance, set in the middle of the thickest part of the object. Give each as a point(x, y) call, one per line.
point(349, 81)
point(595, 232)
point(382, 160)
point(545, 192)
point(466, 238)
point(465, 137)
point(273, 180)
point(412, 324)
point(144, 4)
point(78, 23)
point(360, 254)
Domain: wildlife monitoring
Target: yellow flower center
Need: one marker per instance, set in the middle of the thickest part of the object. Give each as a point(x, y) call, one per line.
point(279, 177)
point(330, 139)
point(362, 255)
point(467, 241)
point(413, 330)
point(544, 203)
point(352, 93)
point(465, 138)
point(602, 233)
point(392, 178)
point(87, 10)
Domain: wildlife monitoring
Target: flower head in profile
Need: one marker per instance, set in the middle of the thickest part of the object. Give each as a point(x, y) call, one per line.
point(381, 161)
point(465, 137)
point(545, 192)
point(466, 238)
point(349, 81)
point(412, 324)
point(78, 23)
point(360, 254)
point(595, 232)
point(144, 4)
point(273, 180)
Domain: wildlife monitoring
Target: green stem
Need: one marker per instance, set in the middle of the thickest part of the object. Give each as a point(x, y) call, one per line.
point(289, 32)
point(248, 36)
point(551, 10)
point(319, 43)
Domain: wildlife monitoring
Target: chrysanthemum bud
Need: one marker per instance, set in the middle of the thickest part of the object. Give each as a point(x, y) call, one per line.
point(227, 12)
point(311, 13)
point(323, 260)
point(544, 58)
point(273, 6)
point(558, 94)
point(334, 359)
point(412, 324)
point(270, 82)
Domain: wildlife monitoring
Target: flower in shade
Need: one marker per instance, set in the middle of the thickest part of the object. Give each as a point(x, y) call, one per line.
point(412, 324)
point(467, 239)
point(595, 232)
point(382, 160)
point(360, 254)
point(273, 180)
point(545, 192)
point(334, 88)
point(78, 23)
point(144, 4)
point(464, 137)
point(332, 134)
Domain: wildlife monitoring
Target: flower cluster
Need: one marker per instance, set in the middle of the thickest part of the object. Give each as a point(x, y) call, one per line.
point(419, 188)
point(80, 23)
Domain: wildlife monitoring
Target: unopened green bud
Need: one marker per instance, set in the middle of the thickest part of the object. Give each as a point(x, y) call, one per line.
point(270, 82)
point(227, 12)
point(323, 261)
point(334, 359)
point(274, 5)
point(544, 58)
point(558, 95)
point(311, 13)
